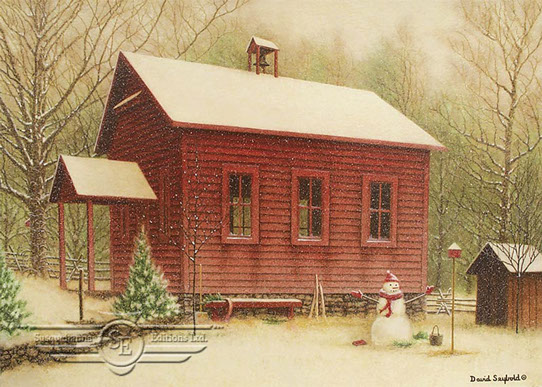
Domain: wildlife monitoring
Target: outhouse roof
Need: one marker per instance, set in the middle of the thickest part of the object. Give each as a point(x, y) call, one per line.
point(511, 256)
point(79, 179)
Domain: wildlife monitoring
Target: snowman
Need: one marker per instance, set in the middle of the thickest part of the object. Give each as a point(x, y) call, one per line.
point(391, 323)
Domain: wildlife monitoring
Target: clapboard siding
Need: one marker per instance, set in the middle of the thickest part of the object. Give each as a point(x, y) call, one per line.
point(142, 134)
point(530, 301)
point(274, 265)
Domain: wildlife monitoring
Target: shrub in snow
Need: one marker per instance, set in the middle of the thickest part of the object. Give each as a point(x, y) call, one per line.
point(146, 296)
point(12, 310)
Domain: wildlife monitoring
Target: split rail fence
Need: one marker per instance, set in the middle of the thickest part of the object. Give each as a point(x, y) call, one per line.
point(439, 302)
point(21, 262)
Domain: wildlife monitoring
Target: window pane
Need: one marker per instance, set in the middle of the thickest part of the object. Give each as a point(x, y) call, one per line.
point(386, 195)
point(316, 222)
point(385, 226)
point(304, 191)
point(316, 192)
point(234, 188)
point(235, 220)
point(374, 225)
point(375, 195)
point(303, 222)
point(246, 188)
point(246, 220)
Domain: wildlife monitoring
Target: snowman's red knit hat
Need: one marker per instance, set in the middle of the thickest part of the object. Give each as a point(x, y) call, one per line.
point(390, 277)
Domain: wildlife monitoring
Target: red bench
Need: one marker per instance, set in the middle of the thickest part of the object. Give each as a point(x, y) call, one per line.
point(221, 310)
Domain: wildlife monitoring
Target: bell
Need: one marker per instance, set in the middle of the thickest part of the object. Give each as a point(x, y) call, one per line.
point(263, 62)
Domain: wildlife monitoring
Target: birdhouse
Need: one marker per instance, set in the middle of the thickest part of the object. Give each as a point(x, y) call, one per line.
point(261, 48)
point(454, 251)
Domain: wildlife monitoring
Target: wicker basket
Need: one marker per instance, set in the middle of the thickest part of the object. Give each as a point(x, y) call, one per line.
point(435, 339)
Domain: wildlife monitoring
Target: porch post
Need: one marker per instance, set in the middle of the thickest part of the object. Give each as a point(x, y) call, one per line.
point(61, 246)
point(276, 64)
point(258, 60)
point(90, 246)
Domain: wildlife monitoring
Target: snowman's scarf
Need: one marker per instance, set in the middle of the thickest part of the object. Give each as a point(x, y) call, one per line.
point(389, 298)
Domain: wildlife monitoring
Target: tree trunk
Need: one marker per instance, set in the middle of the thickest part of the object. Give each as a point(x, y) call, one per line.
point(37, 207)
point(505, 206)
point(518, 289)
point(194, 293)
point(507, 165)
point(438, 279)
point(38, 238)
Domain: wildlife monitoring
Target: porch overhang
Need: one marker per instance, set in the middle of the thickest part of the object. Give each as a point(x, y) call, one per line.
point(102, 181)
point(94, 181)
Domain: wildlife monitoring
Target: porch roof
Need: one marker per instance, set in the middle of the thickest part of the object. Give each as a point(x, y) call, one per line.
point(102, 181)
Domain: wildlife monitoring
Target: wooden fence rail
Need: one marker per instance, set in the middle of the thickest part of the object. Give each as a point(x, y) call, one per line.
point(21, 262)
point(440, 302)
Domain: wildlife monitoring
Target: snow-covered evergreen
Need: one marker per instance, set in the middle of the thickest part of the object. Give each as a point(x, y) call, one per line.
point(12, 309)
point(146, 296)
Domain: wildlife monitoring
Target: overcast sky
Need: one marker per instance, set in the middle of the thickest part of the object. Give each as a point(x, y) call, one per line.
point(362, 23)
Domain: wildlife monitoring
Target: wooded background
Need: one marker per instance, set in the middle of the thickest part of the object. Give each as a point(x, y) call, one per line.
point(56, 64)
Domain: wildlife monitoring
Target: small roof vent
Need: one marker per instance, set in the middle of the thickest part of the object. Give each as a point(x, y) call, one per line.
point(261, 48)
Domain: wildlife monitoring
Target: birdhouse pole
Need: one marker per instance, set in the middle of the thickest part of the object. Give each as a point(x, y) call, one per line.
point(454, 251)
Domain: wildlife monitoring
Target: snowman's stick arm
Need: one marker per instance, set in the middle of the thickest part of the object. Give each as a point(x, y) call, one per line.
point(369, 298)
point(428, 291)
point(359, 294)
point(415, 298)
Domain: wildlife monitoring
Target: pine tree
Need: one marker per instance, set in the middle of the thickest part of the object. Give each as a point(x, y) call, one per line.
point(146, 296)
point(12, 310)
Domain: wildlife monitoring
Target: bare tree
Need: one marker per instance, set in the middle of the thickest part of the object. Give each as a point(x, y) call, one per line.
point(336, 62)
point(79, 140)
point(12, 219)
point(199, 220)
point(54, 56)
point(499, 116)
point(396, 73)
point(525, 226)
point(445, 184)
point(190, 29)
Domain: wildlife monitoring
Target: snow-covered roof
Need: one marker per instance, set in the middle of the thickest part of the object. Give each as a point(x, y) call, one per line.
point(510, 254)
point(454, 246)
point(100, 179)
point(262, 42)
point(196, 95)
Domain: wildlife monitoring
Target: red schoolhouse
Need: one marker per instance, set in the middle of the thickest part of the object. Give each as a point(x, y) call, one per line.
point(301, 178)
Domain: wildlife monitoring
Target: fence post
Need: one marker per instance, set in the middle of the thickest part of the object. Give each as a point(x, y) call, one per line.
point(81, 276)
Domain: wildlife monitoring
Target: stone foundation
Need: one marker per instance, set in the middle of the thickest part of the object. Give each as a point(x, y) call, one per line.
point(33, 353)
point(336, 304)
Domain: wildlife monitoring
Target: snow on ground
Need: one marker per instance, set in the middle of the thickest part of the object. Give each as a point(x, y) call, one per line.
point(303, 352)
point(51, 305)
